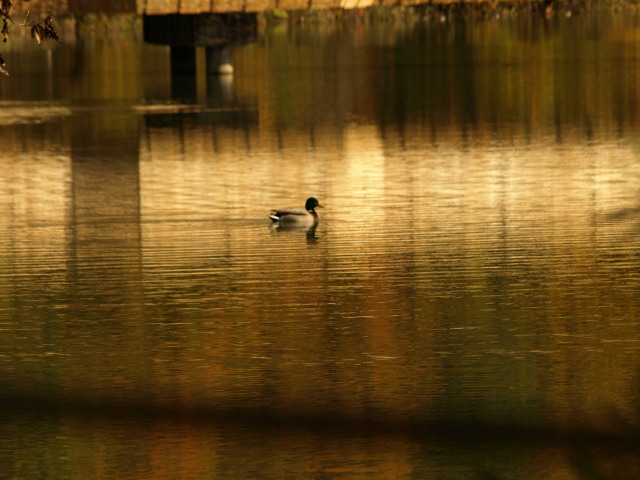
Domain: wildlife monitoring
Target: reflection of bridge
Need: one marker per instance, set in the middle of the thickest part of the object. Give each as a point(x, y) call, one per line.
point(214, 24)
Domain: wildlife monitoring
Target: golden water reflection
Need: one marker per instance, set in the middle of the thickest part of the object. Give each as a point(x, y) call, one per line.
point(477, 290)
point(468, 305)
point(489, 287)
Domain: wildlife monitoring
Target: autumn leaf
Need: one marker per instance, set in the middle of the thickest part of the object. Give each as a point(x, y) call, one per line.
point(2, 64)
point(36, 32)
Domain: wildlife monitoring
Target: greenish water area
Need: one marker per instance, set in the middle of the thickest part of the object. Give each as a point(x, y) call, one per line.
point(468, 306)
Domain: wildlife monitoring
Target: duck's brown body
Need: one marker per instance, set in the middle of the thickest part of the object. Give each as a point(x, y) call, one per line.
point(306, 216)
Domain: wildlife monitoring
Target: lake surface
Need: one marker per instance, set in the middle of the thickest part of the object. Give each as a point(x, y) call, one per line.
point(468, 307)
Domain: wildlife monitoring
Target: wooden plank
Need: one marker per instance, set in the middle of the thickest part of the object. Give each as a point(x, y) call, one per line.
point(325, 4)
point(260, 5)
point(348, 4)
point(293, 4)
point(351, 4)
point(227, 6)
point(195, 6)
point(161, 7)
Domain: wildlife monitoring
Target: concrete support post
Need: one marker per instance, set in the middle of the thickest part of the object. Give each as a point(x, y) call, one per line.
point(219, 60)
point(183, 60)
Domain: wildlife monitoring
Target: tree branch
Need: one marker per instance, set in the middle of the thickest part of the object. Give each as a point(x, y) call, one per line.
point(39, 30)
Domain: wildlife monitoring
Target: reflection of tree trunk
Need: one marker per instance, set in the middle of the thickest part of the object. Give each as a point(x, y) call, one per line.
point(105, 200)
point(105, 178)
point(104, 251)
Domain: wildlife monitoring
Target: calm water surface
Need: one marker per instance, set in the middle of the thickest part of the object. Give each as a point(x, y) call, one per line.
point(468, 307)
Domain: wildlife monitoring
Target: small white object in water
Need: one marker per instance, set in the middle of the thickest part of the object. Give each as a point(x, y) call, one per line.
point(225, 69)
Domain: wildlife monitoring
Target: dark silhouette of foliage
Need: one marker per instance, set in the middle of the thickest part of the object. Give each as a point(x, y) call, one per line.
point(39, 30)
point(45, 30)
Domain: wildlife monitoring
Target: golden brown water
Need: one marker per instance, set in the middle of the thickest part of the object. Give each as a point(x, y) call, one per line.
point(468, 306)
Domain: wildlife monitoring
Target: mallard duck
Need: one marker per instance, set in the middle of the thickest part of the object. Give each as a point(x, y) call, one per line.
point(306, 216)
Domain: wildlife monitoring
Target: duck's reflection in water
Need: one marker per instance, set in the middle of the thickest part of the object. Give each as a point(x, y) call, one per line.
point(310, 231)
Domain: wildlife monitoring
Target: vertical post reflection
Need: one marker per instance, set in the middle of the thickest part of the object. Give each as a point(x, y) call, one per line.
point(105, 252)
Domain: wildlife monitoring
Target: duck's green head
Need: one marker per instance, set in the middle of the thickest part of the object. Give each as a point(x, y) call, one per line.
point(312, 204)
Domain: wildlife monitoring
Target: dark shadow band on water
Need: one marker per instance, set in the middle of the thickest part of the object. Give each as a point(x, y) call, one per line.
point(595, 453)
point(588, 448)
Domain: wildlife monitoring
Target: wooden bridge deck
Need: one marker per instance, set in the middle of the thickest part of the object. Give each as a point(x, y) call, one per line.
point(163, 7)
point(190, 7)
